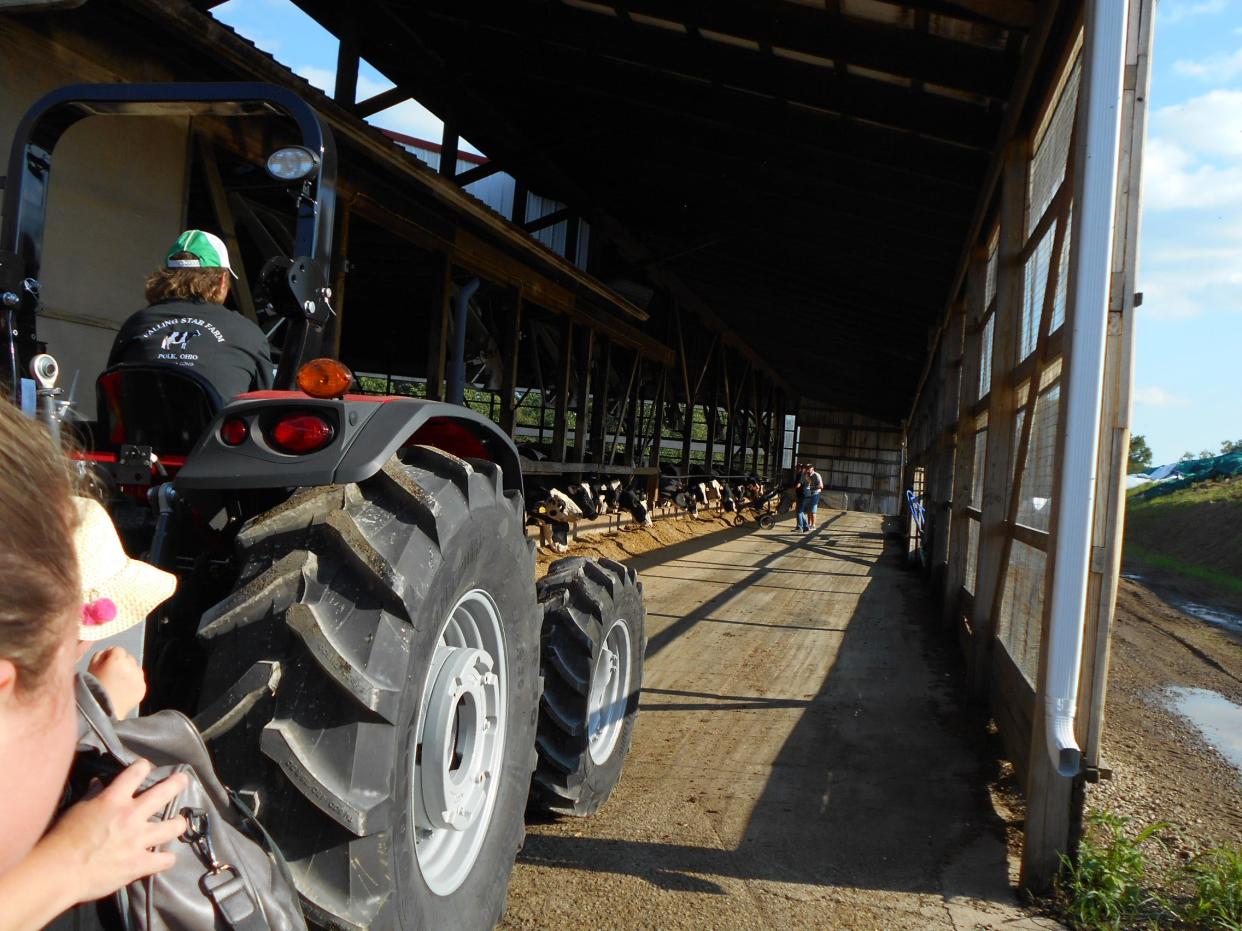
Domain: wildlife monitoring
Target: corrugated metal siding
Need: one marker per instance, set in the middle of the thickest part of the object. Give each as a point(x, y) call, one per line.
point(859, 457)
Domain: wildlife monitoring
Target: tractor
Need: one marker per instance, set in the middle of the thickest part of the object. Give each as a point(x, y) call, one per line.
point(358, 632)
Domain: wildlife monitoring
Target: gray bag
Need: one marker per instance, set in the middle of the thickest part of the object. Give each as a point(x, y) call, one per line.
point(228, 875)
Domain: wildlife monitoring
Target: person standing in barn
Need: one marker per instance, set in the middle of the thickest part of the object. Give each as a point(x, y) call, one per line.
point(812, 487)
point(186, 324)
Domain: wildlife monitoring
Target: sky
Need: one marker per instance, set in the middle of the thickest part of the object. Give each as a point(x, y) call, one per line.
point(1188, 343)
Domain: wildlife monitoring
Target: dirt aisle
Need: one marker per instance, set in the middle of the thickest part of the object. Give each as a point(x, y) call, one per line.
point(800, 759)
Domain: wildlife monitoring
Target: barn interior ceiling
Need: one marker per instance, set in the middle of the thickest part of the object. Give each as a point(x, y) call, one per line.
point(807, 168)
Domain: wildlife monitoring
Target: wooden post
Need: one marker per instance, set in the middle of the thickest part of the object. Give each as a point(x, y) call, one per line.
point(632, 417)
point(1055, 802)
point(684, 365)
point(657, 429)
point(345, 89)
point(1118, 384)
point(599, 404)
point(512, 357)
point(560, 420)
point(757, 413)
point(998, 470)
point(228, 228)
point(573, 224)
point(712, 416)
point(729, 409)
point(438, 331)
point(340, 259)
point(448, 149)
point(519, 203)
point(586, 350)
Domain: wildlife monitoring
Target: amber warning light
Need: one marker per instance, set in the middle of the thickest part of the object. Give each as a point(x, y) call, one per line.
point(325, 378)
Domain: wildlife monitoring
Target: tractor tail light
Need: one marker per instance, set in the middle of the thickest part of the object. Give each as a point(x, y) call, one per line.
point(300, 433)
point(234, 431)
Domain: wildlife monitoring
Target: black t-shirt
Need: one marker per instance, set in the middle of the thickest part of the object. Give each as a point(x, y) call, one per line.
point(224, 347)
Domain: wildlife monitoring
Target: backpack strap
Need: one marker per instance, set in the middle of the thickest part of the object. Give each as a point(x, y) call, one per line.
point(96, 719)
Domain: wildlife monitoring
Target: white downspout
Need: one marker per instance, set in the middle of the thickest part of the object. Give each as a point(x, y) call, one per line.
point(1090, 275)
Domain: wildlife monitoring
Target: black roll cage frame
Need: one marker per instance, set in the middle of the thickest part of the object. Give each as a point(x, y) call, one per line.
point(29, 171)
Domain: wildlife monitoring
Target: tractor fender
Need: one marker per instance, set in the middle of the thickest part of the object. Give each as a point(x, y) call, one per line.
point(367, 432)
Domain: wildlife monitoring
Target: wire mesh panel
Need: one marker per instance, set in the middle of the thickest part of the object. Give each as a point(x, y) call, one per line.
point(1051, 150)
point(972, 553)
point(985, 355)
point(1035, 502)
point(1018, 626)
point(981, 458)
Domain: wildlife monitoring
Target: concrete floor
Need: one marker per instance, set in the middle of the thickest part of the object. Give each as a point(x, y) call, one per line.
point(800, 758)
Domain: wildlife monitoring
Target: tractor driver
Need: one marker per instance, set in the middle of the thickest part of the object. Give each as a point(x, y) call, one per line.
point(188, 326)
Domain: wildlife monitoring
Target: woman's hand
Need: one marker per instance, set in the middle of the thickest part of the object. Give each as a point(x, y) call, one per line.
point(122, 678)
point(99, 845)
point(105, 842)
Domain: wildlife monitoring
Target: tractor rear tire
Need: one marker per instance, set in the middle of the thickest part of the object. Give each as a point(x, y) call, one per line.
point(594, 638)
point(372, 686)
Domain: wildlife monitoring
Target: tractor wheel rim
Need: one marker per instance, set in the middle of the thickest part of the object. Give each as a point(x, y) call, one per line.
point(460, 737)
point(610, 689)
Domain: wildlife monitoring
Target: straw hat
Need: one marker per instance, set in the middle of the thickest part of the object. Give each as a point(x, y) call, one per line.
point(117, 592)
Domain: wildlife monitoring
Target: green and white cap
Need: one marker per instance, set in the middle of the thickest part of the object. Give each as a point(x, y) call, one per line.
point(208, 250)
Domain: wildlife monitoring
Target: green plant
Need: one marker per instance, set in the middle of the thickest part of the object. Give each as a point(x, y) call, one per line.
point(1217, 899)
point(1105, 886)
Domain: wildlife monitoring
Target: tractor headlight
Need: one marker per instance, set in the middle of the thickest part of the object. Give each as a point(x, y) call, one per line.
point(292, 163)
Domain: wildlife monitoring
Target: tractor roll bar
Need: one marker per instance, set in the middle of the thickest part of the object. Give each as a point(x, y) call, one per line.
point(30, 163)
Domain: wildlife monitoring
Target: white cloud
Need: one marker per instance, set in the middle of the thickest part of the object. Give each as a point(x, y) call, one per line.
point(1176, 12)
point(1210, 124)
point(1217, 68)
point(1158, 397)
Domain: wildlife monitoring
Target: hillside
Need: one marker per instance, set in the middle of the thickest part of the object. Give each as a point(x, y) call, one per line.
point(1192, 536)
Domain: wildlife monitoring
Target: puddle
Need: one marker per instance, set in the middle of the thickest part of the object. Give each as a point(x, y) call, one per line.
point(1134, 577)
point(1217, 718)
point(1216, 616)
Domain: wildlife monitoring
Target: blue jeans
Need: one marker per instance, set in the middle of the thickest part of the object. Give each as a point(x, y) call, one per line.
point(806, 507)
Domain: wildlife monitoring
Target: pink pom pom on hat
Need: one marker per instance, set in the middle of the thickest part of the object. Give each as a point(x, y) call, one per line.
point(117, 592)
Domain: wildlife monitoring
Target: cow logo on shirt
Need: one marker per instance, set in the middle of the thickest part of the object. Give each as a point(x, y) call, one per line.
point(179, 339)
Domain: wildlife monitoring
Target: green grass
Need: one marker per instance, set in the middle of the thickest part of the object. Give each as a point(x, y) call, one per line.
point(1107, 886)
point(1216, 901)
point(1112, 886)
point(1155, 560)
point(1205, 492)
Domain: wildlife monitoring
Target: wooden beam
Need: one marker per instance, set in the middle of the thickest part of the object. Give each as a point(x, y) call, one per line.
point(381, 101)
point(548, 219)
point(478, 173)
